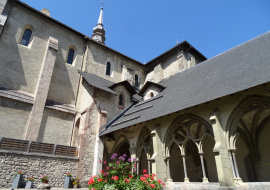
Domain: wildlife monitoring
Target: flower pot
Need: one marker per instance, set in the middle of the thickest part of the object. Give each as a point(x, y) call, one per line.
point(18, 181)
point(67, 182)
point(46, 181)
point(75, 186)
point(29, 185)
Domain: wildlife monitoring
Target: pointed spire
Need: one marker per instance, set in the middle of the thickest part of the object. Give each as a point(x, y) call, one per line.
point(99, 32)
point(100, 19)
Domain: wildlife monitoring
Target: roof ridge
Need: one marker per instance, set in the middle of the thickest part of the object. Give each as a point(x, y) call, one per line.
point(229, 50)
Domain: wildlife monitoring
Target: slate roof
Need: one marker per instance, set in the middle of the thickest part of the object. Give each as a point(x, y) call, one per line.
point(97, 82)
point(237, 69)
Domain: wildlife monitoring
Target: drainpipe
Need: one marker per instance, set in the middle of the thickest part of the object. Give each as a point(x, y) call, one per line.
point(79, 81)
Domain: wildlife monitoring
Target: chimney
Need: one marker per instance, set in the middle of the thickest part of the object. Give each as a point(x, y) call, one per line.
point(46, 12)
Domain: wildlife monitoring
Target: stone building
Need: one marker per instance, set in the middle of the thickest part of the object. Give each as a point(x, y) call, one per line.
point(67, 101)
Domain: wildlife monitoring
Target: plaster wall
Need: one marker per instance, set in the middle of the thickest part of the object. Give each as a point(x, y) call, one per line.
point(21, 65)
point(13, 118)
point(152, 89)
point(97, 57)
point(56, 127)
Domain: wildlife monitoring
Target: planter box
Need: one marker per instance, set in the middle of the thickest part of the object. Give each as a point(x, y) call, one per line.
point(67, 183)
point(18, 181)
point(29, 185)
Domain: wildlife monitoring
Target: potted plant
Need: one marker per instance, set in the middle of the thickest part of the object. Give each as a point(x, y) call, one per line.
point(18, 180)
point(67, 182)
point(29, 183)
point(44, 179)
point(75, 183)
point(121, 175)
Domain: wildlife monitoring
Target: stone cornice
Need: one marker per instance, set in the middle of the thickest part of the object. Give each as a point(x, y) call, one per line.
point(17, 95)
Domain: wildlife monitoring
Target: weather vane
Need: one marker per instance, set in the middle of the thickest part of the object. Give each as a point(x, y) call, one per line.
point(102, 3)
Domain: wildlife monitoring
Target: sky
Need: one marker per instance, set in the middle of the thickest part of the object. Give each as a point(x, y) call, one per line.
point(144, 29)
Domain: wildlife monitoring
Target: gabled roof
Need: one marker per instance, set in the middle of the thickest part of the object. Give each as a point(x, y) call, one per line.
point(237, 69)
point(104, 84)
point(126, 84)
point(146, 86)
point(97, 82)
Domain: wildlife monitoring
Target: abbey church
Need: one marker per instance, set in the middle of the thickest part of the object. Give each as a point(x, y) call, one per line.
point(68, 102)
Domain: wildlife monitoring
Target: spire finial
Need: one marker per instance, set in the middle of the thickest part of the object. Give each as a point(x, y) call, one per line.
point(99, 32)
point(102, 4)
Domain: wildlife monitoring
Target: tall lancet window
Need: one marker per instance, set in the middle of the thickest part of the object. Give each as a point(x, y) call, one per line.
point(26, 37)
point(136, 80)
point(108, 69)
point(70, 56)
point(121, 100)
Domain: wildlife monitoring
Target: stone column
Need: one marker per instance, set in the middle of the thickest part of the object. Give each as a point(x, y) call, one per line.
point(138, 167)
point(158, 164)
point(224, 169)
point(149, 166)
point(186, 179)
point(239, 180)
point(168, 170)
point(132, 151)
point(232, 164)
point(42, 90)
point(205, 179)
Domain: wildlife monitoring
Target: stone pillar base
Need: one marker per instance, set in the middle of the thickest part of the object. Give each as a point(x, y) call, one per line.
point(186, 180)
point(205, 180)
point(237, 180)
point(226, 188)
point(169, 180)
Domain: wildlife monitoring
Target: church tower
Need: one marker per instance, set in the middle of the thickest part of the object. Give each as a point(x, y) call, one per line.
point(99, 32)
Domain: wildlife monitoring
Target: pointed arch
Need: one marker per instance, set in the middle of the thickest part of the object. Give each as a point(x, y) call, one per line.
point(119, 141)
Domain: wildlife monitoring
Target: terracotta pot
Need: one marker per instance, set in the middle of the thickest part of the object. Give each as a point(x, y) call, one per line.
point(46, 181)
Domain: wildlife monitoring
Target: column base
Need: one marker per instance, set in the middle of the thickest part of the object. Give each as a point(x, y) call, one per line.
point(237, 180)
point(169, 180)
point(205, 180)
point(186, 180)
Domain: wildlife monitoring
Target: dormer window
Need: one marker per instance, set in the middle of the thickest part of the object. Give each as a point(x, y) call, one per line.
point(151, 95)
point(136, 80)
point(121, 101)
point(108, 69)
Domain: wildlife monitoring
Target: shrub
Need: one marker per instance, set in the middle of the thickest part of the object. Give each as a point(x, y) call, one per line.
point(122, 175)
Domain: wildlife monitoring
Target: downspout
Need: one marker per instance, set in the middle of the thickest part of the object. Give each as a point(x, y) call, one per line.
point(79, 81)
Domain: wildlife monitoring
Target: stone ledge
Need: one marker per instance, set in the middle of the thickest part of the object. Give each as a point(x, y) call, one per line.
point(38, 154)
point(60, 106)
point(17, 95)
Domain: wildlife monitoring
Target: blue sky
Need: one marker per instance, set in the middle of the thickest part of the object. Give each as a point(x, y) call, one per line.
point(144, 29)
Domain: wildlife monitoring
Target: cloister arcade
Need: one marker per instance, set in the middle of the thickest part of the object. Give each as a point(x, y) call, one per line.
point(189, 140)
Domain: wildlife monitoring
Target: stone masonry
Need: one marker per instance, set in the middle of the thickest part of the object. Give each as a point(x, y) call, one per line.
point(35, 166)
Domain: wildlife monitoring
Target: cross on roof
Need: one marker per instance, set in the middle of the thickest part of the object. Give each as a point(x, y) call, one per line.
point(102, 3)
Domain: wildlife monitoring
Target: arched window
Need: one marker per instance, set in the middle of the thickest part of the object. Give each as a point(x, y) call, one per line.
point(136, 80)
point(151, 94)
point(121, 100)
point(70, 56)
point(108, 69)
point(26, 37)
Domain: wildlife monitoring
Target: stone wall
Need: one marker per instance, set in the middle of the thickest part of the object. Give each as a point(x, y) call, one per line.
point(35, 166)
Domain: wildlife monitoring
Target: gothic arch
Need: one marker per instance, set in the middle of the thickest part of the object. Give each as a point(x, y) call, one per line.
point(235, 124)
point(142, 135)
point(176, 123)
point(117, 142)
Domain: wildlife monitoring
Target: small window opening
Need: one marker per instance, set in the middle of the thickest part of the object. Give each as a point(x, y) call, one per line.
point(70, 56)
point(136, 81)
point(151, 94)
point(121, 100)
point(26, 37)
point(108, 69)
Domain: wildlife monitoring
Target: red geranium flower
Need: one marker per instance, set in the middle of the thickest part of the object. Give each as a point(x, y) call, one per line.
point(152, 178)
point(130, 176)
point(144, 171)
point(159, 181)
point(152, 185)
point(101, 171)
point(126, 180)
point(142, 178)
point(163, 184)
